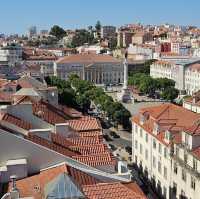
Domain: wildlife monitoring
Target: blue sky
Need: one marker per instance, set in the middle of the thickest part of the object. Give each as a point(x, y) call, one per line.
point(17, 15)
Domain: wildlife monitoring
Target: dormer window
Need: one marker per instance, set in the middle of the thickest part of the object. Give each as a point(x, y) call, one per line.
point(167, 136)
point(187, 141)
point(144, 117)
point(156, 128)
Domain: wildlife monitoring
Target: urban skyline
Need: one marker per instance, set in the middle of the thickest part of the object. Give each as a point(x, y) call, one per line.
point(100, 99)
point(79, 15)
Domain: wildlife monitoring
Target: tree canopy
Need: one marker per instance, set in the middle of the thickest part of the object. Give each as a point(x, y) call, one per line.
point(81, 93)
point(57, 31)
point(98, 26)
point(81, 37)
point(148, 85)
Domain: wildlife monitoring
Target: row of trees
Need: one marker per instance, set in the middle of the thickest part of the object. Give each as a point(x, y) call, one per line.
point(163, 87)
point(80, 94)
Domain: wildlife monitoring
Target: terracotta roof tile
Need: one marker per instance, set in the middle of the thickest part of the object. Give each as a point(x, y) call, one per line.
point(82, 178)
point(34, 185)
point(90, 149)
point(87, 59)
point(49, 113)
point(85, 124)
point(16, 121)
point(196, 152)
point(81, 141)
point(96, 159)
point(194, 129)
point(55, 147)
point(111, 191)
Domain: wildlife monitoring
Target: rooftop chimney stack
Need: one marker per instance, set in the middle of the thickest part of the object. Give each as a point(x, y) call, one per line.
point(14, 193)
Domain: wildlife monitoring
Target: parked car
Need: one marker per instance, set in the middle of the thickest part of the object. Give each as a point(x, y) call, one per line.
point(114, 135)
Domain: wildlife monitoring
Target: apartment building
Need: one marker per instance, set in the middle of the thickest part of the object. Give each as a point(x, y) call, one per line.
point(192, 103)
point(141, 37)
point(192, 78)
point(10, 54)
point(124, 38)
point(108, 32)
point(100, 69)
point(179, 70)
point(144, 51)
point(156, 131)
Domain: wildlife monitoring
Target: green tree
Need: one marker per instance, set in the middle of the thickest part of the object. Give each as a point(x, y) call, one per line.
point(163, 83)
point(98, 26)
point(81, 37)
point(57, 31)
point(170, 94)
point(147, 85)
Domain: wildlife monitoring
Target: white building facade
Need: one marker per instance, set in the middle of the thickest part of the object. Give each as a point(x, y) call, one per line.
point(99, 69)
point(153, 141)
point(11, 55)
point(186, 80)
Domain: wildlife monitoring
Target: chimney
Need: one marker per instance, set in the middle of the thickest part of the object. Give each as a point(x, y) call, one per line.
point(14, 193)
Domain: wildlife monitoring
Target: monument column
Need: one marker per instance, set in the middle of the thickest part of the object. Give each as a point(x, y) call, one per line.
point(125, 94)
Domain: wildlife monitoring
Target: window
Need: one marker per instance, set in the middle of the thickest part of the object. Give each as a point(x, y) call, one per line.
point(183, 175)
point(141, 133)
point(174, 187)
point(175, 168)
point(154, 162)
point(136, 128)
point(159, 166)
point(160, 148)
point(140, 149)
point(194, 164)
point(146, 138)
point(136, 159)
point(165, 172)
point(185, 158)
point(165, 152)
point(186, 139)
point(165, 192)
point(193, 183)
point(136, 144)
point(154, 143)
point(146, 154)
point(167, 135)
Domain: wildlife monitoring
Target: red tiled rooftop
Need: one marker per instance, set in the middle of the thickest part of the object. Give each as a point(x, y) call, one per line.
point(96, 159)
point(82, 178)
point(194, 129)
point(85, 124)
point(111, 191)
point(81, 141)
point(49, 113)
point(48, 144)
point(90, 133)
point(16, 121)
point(88, 149)
point(88, 58)
point(27, 186)
point(196, 152)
